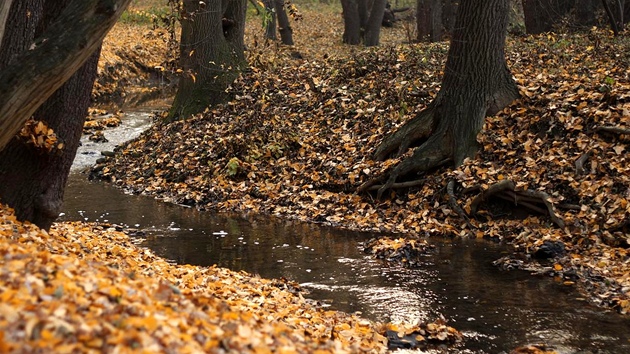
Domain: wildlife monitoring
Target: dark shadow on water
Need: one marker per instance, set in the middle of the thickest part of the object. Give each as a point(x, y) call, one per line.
point(496, 310)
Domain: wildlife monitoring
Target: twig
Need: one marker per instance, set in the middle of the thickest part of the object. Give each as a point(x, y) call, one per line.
point(579, 163)
point(492, 190)
point(450, 190)
point(611, 129)
point(510, 196)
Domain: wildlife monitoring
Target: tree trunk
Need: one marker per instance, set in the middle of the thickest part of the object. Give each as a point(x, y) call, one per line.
point(351, 22)
point(4, 14)
point(286, 32)
point(269, 20)
point(212, 54)
point(66, 45)
point(449, 11)
point(373, 27)
point(542, 15)
point(32, 181)
point(429, 20)
point(477, 82)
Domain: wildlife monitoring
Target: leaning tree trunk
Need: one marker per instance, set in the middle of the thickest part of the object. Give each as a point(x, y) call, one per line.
point(351, 22)
point(4, 14)
point(212, 54)
point(55, 56)
point(374, 23)
point(286, 32)
point(32, 180)
point(477, 82)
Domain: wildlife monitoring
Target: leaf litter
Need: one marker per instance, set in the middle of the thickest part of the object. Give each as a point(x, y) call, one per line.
point(296, 141)
point(85, 287)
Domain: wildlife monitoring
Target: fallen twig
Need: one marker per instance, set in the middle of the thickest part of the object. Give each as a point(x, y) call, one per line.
point(398, 185)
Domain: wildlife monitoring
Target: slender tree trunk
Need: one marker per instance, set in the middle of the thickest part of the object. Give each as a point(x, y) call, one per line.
point(286, 32)
point(32, 181)
point(477, 82)
point(37, 73)
point(374, 24)
point(212, 54)
point(269, 20)
point(351, 22)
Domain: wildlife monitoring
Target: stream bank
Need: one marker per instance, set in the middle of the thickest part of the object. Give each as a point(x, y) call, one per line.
point(497, 311)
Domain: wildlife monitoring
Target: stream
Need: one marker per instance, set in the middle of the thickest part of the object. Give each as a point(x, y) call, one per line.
point(496, 310)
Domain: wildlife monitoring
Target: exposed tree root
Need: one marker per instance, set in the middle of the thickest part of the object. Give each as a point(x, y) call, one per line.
point(612, 129)
point(579, 163)
point(399, 185)
point(537, 201)
point(452, 201)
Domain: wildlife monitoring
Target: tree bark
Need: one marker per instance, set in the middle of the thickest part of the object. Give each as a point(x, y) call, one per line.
point(212, 54)
point(38, 73)
point(269, 20)
point(351, 22)
point(4, 14)
point(477, 82)
point(429, 20)
point(374, 22)
point(32, 181)
point(284, 26)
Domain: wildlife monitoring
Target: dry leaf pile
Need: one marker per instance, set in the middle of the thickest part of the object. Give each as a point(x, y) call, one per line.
point(87, 288)
point(297, 138)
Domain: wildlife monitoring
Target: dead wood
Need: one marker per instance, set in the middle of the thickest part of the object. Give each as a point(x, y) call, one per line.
point(407, 184)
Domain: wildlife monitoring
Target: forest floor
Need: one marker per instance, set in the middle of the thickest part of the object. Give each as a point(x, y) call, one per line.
point(296, 141)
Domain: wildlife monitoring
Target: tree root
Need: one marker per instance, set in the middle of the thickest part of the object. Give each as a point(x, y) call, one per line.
point(613, 129)
point(537, 201)
point(452, 201)
point(579, 163)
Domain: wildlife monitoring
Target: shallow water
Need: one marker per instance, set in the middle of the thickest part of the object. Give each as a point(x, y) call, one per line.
point(496, 310)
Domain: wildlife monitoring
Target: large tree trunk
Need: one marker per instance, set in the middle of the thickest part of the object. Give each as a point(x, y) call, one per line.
point(286, 32)
point(429, 20)
point(66, 45)
point(374, 23)
point(477, 82)
point(212, 54)
point(32, 181)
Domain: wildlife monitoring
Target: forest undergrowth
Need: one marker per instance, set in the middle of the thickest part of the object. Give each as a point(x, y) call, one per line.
point(296, 141)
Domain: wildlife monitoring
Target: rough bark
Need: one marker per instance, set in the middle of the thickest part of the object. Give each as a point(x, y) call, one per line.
point(373, 27)
point(351, 22)
point(212, 54)
point(56, 55)
point(32, 181)
point(429, 20)
point(284, 26)
point(477, 82)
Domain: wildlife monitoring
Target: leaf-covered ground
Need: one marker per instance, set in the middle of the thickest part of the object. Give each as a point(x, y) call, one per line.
point(87, 288)
point(297, 138)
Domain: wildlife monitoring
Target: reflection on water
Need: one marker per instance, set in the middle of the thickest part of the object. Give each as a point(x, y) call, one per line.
point(496, 310)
